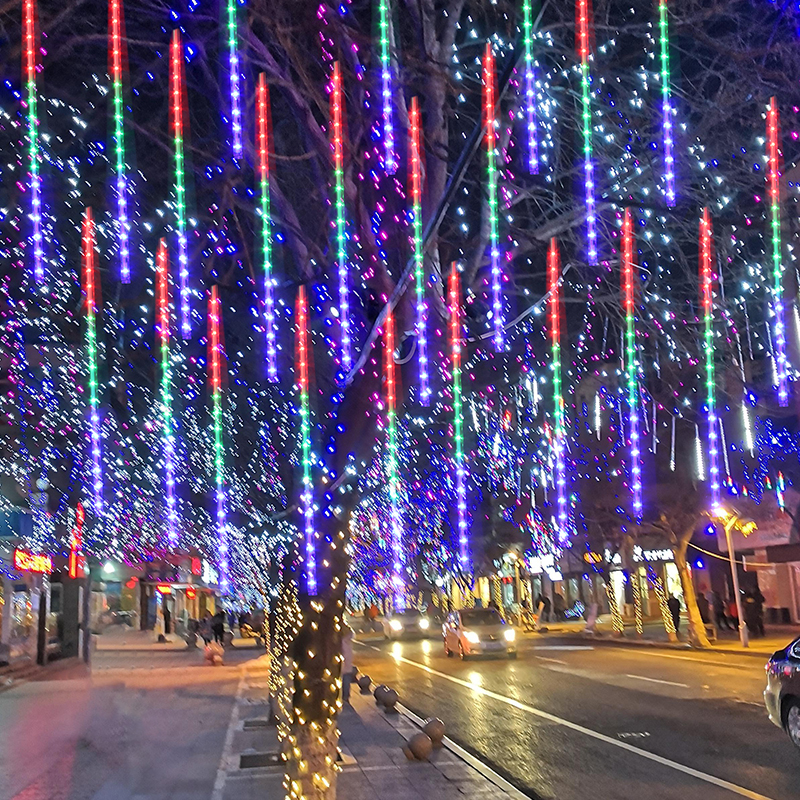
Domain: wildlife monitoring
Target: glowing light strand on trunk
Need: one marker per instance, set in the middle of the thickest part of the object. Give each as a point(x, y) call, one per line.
point(235, 78)
point(263, 136)
point(29, 51)
point(707, 278)
point(584, 50)
point(115, 48)
point(217, 356)
point(456, 341)
point(306, 498)
point(415, 150)
point(90, 291)
point(530, 89)
point(631, 361)
point(164, 323)
point(559, 430)
point(392, 475)
point(390, 160)
point(774, 185)
point(667, 131)
point(337, 120)
point(489, 103)
point(177, 115)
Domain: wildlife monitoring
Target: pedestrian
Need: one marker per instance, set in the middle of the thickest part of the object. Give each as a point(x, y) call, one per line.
point(674, 606)
point(754, 612)
point(733, 613)
point(559, 606)
point(720, 619)
point(218, 627)
point(347, 662)
point(546, 605)
point(759, 598)
point(703, 608)
point(204, 628)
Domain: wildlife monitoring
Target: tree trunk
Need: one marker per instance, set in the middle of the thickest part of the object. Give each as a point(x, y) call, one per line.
point(697, 628)
point(666, 614)
point(311, 769)
point(617, 625)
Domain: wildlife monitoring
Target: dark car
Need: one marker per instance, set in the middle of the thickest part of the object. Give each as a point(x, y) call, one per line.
point(782, 695)
point(409, 624)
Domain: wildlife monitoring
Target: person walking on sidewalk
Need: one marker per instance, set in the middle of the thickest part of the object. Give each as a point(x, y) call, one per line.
point(347, 662)
point(720, 619)
point(674, 606)
point(218, 627)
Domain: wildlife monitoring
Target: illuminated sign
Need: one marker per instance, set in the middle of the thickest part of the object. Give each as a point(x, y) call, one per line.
point(191, 593)
point(32, 562)
point(164, 588)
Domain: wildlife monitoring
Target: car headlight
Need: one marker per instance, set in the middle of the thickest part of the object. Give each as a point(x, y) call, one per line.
point(424, 624)
point(509, 634)
point(396, 625)
point(472, 637)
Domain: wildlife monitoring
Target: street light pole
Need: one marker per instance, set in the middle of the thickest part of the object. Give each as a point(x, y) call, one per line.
point(743, 637)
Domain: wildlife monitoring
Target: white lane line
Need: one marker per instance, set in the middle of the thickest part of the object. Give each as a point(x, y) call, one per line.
point(554, 660)
point(693, 660)
point(572, 647)
point(657, 680)
point(667, 762)
point(227, 749)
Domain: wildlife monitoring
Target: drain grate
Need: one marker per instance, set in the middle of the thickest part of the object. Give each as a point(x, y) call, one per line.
point(256, 724)
point(253, 760)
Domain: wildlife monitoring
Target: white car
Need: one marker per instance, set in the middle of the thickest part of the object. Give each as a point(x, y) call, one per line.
point(478, 631)
point(408, 624)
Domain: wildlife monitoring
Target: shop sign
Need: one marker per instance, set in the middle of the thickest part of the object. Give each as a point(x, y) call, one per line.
point(32, 562)
point(665, 554)
point(164, 588)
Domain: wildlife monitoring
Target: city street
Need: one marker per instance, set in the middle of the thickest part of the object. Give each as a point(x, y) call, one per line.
point(569, 721)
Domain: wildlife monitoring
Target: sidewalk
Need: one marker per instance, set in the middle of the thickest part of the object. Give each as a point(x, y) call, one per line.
point(778, 636)
point(121, 637)
point(381, 771)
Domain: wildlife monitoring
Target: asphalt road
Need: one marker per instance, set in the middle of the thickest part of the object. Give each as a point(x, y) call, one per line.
point(569, 722)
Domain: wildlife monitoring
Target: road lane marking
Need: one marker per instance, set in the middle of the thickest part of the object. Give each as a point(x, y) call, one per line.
point(571, 647)
point(693, 660)
point(573, 726)
point(554, 660)
point(658, 680)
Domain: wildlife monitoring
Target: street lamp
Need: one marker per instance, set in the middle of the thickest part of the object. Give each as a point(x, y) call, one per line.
point(731, 520)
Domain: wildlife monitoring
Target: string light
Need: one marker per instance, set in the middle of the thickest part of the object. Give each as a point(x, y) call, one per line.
point(235, 78)
point(392, 475)
point(29, 65)
point(90, 291)
point(390, 161)
point(176, 95)
point(707, 278)
point(666, 104)
point(584, 51)
point(163, 325)
point(530, 88)
point(337, 119)
point(217, 355)
point(456, 340)
point(774, 185)
point(415, 158)
point(263, 143)
point(559, 433)
point(631, 361)
point(306, 498)
point(115, 52)
point(489, 103)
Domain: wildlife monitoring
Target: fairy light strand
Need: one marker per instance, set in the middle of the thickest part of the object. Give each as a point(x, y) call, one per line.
point(164, 323)
point(115, 53)
point(456, 343)
point(177, 115)
point(29, 64)
point(90, 292)
point(302, 387)
point(337, 122)
point(392, 472)
point(415, 150)
point(489, 103)
point(235, 77)
point(707, 278)
point(530, 89)
point(263, 136)
point(584, 51)
point(774, 185)
point(390, 159)
point(559, 428)
point(667, 131)
point(217, 356)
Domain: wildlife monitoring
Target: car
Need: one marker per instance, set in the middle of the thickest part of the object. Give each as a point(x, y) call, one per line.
point(478, 631)
point(408, 624)
point(782, 695)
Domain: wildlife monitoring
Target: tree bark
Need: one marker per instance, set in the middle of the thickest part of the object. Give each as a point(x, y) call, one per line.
point(697, 628)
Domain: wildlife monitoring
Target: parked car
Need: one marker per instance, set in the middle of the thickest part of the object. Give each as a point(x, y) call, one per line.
point(474, 631)
point(408, 624)
point(782, 695)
